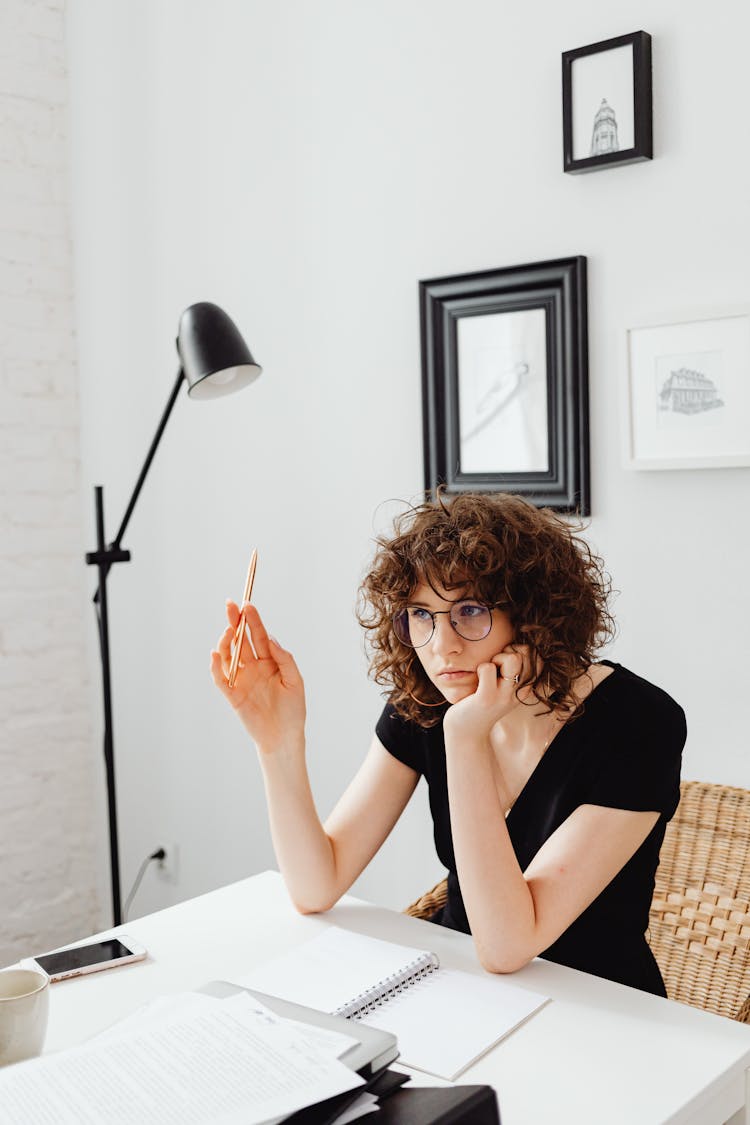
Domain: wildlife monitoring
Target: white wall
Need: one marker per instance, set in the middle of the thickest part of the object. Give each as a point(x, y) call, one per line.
point(303, 165)
point(48, 891)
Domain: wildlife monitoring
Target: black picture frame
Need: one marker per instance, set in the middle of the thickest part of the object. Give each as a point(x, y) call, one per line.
point(505, 360)
point(591, 79)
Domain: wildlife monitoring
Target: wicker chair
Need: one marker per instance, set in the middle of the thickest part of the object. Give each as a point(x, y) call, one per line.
point(430, 901)
point(700, 914)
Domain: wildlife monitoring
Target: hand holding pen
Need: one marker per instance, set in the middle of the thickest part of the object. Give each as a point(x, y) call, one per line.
point(239, 635)
point(258, 677)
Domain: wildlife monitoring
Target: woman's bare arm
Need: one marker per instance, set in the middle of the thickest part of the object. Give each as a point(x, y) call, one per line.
point(319, 862)
point(514, 915)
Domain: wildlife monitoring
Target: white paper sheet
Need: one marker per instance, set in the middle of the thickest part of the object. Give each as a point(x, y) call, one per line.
point(166, 1009)
point(224, 1064)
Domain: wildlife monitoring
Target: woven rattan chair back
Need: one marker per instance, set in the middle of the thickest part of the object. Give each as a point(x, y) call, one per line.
point(699, 926)
point(430, 901)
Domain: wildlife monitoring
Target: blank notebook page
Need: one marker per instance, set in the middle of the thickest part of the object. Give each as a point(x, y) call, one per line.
point(330, 969)
point(444, 1020)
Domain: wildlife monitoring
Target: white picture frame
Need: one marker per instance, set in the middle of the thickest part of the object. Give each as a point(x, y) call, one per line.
point(688, 394)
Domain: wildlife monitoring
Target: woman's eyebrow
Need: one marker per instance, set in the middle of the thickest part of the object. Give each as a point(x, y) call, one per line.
point(446, 601)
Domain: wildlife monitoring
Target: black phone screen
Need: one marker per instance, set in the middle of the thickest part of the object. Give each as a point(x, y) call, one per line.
point(108, 950)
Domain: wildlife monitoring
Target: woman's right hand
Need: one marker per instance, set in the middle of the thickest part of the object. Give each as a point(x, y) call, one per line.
point(268, 693)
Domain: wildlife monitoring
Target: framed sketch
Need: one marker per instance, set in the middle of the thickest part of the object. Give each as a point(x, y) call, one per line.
point(505, 383)
point(689, 394)
point(607, 114)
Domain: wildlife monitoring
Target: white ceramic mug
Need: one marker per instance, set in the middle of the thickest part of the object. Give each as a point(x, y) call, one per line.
point(24, 1006)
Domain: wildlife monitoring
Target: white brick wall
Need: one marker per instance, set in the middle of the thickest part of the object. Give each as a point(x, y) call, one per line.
point(48, 886)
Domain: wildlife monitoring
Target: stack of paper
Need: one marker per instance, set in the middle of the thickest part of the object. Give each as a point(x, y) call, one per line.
point(184, 1059)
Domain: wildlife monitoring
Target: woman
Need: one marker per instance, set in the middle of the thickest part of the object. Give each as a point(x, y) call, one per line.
point(551, 776)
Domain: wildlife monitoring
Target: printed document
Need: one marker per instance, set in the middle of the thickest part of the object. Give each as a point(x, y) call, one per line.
point(226, 1061)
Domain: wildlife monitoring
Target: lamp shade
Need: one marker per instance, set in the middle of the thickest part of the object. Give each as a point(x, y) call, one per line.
point(215, 359)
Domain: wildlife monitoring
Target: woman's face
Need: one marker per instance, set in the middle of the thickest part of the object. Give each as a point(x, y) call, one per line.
point(449, 660)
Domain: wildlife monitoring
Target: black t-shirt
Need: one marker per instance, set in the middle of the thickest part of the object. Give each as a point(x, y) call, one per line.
point(623, 752)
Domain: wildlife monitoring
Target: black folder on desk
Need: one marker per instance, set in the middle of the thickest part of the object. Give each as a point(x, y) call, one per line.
point(399, 1104)
point(439, 1105)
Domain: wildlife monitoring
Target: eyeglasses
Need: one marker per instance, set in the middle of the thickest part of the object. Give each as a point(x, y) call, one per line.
point(415, 625)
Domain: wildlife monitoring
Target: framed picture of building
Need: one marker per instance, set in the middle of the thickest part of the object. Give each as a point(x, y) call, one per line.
point(505, 383)
point(607, 103)
point(689, 394)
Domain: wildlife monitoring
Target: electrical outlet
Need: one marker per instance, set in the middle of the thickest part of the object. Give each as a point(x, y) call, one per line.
point(167, 867)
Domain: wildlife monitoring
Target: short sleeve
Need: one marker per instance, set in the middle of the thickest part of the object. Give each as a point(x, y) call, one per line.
point(401, 738)
point(638, 758)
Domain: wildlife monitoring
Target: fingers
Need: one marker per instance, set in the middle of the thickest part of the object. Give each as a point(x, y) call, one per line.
point(221, 657)
point(259, 646)
point(257, 629)
point(493, 678)
point(509, 667)
point(258, 632)
point(218, 673)
point(224, 647)
point(286, 663)
point(488, 679)
point(528, 666)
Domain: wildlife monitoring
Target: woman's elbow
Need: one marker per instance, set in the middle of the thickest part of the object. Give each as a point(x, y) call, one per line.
point(311, 896)
point(306, 908)
point(310, 907)
point(305, 904)
point(503, 961)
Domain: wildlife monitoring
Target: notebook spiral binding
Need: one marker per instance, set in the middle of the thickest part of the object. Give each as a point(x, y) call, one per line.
point(390, 986)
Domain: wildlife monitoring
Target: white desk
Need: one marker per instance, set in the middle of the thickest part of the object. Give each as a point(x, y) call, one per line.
point(599, 1054)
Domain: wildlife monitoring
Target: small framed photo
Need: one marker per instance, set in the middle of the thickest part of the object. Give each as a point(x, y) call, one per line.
point(689, 394)
point(505, 383)
point(607, 104)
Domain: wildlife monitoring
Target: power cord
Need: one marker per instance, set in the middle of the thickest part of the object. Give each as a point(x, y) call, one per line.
point(159, 854)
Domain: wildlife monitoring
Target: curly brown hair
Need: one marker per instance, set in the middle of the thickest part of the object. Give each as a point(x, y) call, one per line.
point(503, 551)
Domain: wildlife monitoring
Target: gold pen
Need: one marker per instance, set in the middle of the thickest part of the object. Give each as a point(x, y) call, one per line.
point(239, 633)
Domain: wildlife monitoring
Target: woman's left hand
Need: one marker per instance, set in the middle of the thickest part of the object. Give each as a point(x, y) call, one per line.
point(495, 697)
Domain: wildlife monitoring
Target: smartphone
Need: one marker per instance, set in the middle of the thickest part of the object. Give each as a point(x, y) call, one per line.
point(105, 954)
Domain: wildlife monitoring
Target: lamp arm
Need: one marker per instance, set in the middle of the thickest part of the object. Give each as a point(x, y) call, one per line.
point(149, 457)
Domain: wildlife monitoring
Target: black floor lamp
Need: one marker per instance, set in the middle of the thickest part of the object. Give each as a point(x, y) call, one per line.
point(214, 361)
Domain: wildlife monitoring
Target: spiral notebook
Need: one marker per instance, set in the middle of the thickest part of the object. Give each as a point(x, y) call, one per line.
point(444, 1019)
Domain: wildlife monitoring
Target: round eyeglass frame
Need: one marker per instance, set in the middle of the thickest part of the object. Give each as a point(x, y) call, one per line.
point(399, 615)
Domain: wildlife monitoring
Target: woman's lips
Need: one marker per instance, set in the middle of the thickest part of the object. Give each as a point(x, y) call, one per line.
point(454, 674)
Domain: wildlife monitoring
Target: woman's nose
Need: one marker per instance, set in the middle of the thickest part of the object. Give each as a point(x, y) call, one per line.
point(445, 638)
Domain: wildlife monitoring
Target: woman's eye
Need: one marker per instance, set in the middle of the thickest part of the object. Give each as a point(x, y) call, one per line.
point(417, 614)
point(470, 609)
